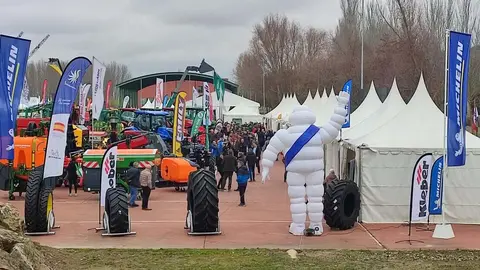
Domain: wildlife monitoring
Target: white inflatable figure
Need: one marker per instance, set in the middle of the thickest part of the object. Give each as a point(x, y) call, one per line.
point(302, 143)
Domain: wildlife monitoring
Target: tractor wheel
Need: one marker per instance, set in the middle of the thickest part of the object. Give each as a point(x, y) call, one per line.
point(116, 206)
point(211, 164)
point(31, 199)
point(341, 204)
point(202, 196)
point(45, 208)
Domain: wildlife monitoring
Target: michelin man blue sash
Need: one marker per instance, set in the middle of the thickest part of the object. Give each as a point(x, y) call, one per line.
point(306, 136)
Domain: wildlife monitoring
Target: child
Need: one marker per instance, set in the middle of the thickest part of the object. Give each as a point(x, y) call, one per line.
point(242, 179)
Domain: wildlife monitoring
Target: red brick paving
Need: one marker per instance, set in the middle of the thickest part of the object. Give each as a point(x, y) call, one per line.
point(262, 224)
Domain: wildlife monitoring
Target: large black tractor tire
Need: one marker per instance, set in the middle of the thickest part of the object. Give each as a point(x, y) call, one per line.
point(211, 164)
point(203, 201)
point(116, 206)
point(32, 194)
point(45, 204)
point(341, 204)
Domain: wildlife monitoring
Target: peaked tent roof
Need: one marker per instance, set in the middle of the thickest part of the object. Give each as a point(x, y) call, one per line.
point(277, 108)
point(324, 97)
point(392, 105)
point(229, 100)
point(369, 105)
point(317, 94)
point(242, 110)
point(309, 97)
point(419, 125)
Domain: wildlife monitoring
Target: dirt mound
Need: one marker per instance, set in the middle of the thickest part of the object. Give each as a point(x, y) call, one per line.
point(17, 251)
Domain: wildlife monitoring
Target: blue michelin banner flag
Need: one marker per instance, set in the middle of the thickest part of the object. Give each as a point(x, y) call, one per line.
point(458, 62)
point(347, 87)
point(165, 100)
point(13, 66)
point(436, 188)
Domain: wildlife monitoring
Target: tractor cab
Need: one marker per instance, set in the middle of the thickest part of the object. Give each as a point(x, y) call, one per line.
point(154, 121)
point(127, 116)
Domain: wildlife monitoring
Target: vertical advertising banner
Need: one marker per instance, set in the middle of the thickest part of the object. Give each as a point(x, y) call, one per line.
point(436, 188)
point(44, 91)
point(179, 123)
point(159, 93)
point(419, 193)
point(82, 102)
point(109, 172)
point(347, 87)
point(13, 66)
point(98, 76)
point(458, 62)
point(107, 101)
point(207, 104)
point(62, 108)
point(166, 98)
point(126, 99)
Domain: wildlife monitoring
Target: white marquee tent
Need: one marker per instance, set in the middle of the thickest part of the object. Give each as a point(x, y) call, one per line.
point(385, 158)
point(368, 106)
point(229, 100)
point(309, 100)
point(246, 113)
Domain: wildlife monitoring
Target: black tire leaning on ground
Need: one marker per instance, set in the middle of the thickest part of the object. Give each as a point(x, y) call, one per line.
point(211, 164)
point(32, 194)
point(341, 204)
point(202, 196)
point(43, 208)
point(116, 206)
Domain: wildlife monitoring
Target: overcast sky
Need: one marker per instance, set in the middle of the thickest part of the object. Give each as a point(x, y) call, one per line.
point(153, 35)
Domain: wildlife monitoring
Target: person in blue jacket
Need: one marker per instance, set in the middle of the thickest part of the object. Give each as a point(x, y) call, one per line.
point(243, 176)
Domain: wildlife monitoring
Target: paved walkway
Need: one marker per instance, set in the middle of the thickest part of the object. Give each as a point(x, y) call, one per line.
point(262, 224)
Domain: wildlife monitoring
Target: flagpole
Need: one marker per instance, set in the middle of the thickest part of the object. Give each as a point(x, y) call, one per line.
point(445, 108)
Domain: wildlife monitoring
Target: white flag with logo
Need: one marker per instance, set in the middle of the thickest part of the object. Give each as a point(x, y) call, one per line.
point(159, 93)
point(420, 188)
point(109, 172)
point(82, 102)
point(194, 96)
point(126, 99)
point(207, 104)
point(98, 77)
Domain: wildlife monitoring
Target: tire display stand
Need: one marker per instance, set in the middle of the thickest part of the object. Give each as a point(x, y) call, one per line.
point(202, 204)
point(341, 204)
point(39, 214)
point(116, 219)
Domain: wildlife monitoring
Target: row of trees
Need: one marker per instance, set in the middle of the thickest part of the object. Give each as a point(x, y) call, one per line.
point(402, 38)
point(39, 71)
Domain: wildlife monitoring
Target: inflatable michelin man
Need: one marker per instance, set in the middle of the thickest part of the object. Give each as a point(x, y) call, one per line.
point(302, 143)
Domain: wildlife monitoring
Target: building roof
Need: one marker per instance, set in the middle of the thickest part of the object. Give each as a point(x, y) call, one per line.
point(141, 82)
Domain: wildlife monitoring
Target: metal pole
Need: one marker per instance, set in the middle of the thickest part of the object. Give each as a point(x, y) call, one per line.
point(263, 86)
point(445, 108)
point(361, 55)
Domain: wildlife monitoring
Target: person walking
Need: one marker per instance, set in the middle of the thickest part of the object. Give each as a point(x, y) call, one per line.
point(257, 150)
point(146, 183)
point(72, 176)
point(133, 180)
point(243, 176)
point(229, 166)
point(251, 160)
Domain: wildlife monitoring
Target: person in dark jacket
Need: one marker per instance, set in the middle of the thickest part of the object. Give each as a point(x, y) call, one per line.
point(229, 166)
point(261, 137)
point(251, 160)
point(257, 150)
point(242, 180)
point(72, 175)
point(133, 180)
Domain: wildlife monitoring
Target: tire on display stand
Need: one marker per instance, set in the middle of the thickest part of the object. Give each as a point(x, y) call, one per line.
point(341, 204)
point(202, 202)
point(116, 219)
point(46, 216)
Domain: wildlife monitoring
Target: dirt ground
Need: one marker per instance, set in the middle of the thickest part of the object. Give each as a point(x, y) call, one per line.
point(263, 223)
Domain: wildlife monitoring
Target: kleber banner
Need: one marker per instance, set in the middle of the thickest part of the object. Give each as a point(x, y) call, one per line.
point(436, 188)
point(158, 93)
point(62, 108)
point(126, 99)
point(82, 102)
point(419, 190)
point(13, 65)
point(98, 76)
point(44, 91)
point(458, 62)
point(207, 105)
point(347, 87)
point(109, 172)
point(179, 123)
point(107, 101)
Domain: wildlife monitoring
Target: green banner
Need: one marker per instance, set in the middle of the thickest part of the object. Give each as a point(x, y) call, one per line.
point(219, 85)
point(197, 122)
point(171, 100)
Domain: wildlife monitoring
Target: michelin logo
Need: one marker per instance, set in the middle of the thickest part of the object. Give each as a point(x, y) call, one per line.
point(10, 147)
